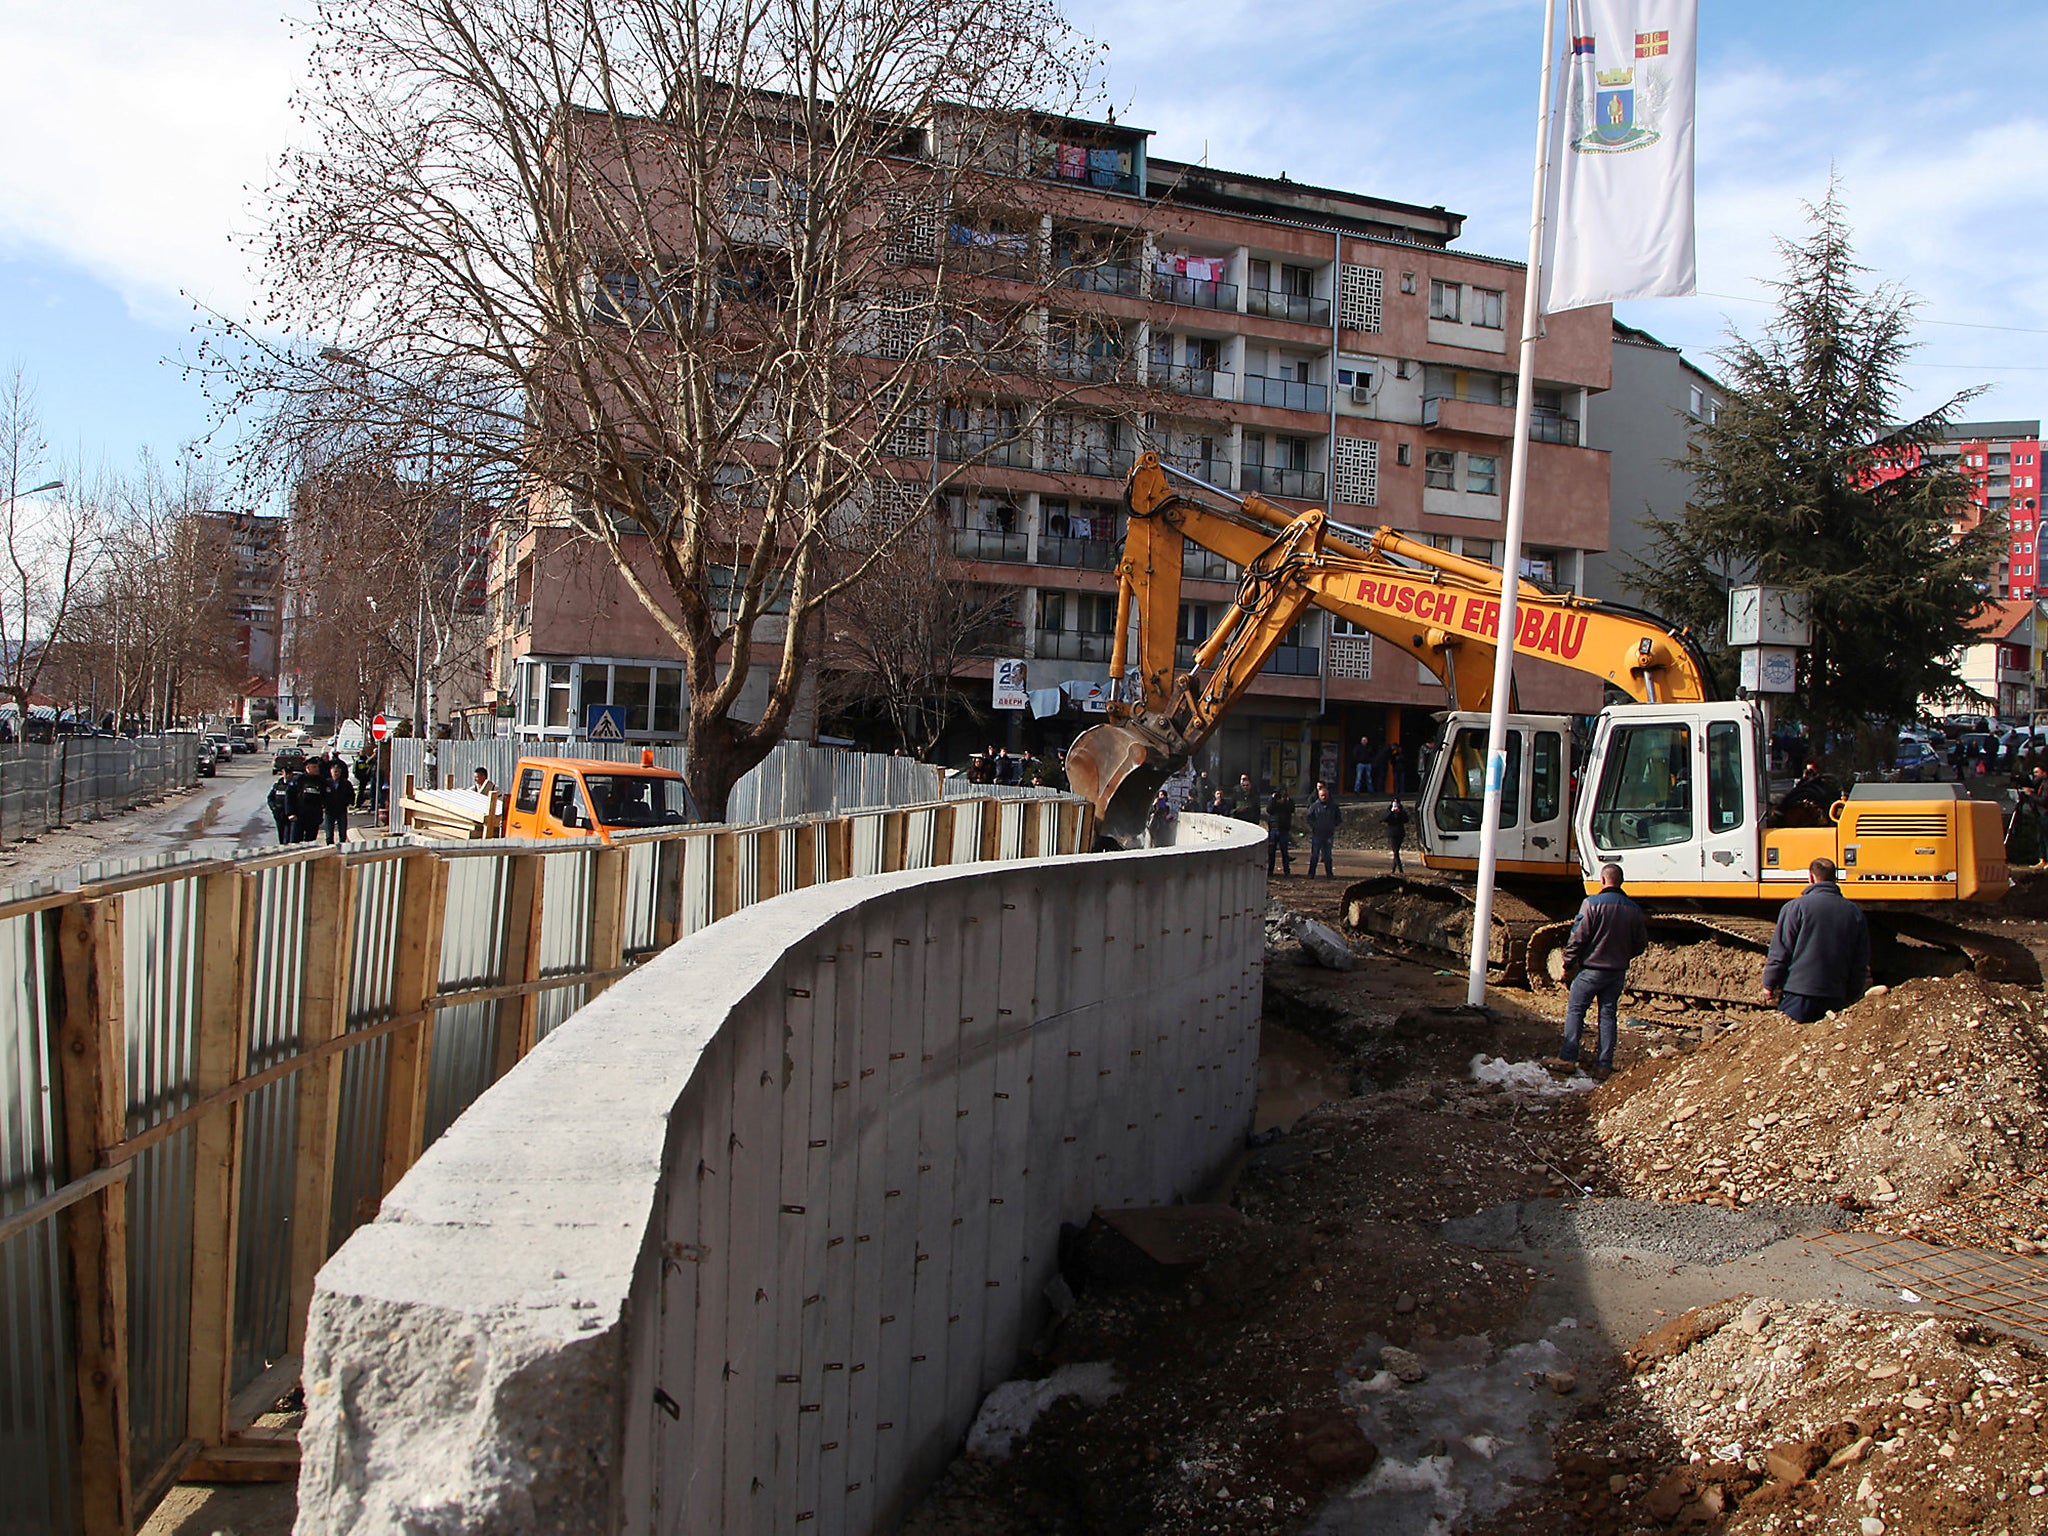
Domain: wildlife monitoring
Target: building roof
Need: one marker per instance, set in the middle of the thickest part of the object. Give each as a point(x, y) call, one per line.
point(1279, 196)
point(1998, 620)
point(1633, 336)
point(1990, 431)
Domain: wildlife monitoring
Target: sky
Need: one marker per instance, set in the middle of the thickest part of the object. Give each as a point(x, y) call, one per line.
point(135, 136)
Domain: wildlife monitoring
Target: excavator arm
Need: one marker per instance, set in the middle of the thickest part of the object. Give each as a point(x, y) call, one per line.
point(1440, 608)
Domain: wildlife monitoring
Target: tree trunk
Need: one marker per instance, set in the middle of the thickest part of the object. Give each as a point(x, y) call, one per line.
point(721, 752)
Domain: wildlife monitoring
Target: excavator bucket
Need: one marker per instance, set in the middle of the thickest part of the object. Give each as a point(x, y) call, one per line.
point(1119, 772)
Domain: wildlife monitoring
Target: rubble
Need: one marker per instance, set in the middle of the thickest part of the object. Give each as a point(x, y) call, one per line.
point(1907, 1099)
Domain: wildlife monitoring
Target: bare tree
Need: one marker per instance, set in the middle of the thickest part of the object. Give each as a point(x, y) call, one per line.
point(900, 640)
point(705, 282)
point(51, 545)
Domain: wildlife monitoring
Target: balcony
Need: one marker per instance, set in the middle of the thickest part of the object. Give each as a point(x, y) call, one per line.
point(1215, 471)
point(1076, 554)
point(991, 544)
point(1547, 428)
point(1199, 564)
point(1287, 394)
point(1105, 277)
point(991, 255)
point(1186, 379)
point(1193, 292)
point(1089, 367)
point(1067, 645)
point(1103, 463)
point(1296, 484)
point(1469, 416)
point(1295, 661)
point(996, 446)
point(1275, 305)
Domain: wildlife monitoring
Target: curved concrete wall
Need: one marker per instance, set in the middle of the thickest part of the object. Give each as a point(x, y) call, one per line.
point(741, 1248)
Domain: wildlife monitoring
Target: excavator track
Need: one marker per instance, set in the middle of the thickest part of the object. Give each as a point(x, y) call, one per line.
point(1433, 918)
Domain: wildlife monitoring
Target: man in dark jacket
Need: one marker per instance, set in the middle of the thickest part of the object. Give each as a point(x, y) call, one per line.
point(309, 803)
point(1608, 933)
point(281, 803)
point(1280, 832)
point(338, 795)
point(1820, 953)
point(1396, 821)
point(1323, 817)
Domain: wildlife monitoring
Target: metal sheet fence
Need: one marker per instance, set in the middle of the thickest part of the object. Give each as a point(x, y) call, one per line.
point(212, 1073)
point(81, 778)
point(795, 779)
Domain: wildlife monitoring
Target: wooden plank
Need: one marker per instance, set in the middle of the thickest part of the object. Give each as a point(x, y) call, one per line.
point(93, 1087)
point(944, 820)
point(261, 1396)
point(323, 1015)
point(725, 874)
point(607, 915)
point(895, 840)
point(1034, 818)
point(219, 1049)
point(421, 908)
point(806, 834)
point(768, 863)
point(262, 1461)
point(839, 848)
point(991, 829)
point(513, 1023)
point(668, 891)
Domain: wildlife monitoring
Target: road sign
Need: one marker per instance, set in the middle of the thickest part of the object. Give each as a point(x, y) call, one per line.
point(605, 722)
point(1769, 668)
point(380, 727)
point(1010, 689)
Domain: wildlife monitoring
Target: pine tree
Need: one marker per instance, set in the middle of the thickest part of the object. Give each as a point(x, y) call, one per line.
point(1807, 479)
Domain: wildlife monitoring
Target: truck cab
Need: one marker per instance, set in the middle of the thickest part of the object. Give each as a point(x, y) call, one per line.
point(1536, 804)
point(581, 797)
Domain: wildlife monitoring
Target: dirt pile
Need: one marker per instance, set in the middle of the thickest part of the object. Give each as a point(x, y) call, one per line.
point(1788, 1416)
point(1933, 1091)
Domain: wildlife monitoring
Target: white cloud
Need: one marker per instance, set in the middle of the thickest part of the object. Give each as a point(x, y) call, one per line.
point(132, 132)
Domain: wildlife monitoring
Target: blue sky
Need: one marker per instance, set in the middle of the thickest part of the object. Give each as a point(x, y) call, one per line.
point(132, 130)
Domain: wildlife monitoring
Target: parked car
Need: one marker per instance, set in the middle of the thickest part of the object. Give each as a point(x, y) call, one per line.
point(1915, 761)
point(209, 759)
point(292, 759)
point(222, 746)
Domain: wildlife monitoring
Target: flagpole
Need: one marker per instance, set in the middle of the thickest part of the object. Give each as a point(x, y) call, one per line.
point(1511, 563)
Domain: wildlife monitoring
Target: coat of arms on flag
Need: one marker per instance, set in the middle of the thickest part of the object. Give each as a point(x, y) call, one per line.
point(1619, 108)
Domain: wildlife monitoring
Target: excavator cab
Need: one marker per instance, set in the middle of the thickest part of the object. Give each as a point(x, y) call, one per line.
point(1675, 794)
point(1535, 812)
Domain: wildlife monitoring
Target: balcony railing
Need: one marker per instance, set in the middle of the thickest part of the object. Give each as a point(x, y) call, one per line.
point(1271, 480)
point(1194, 292)
point(1544, 428)
point(1076, 554)
point(1275, 305)
point(1215, 471)
point(1199, 564)
point(1103, 463)
point(1105, 277)
point(1089, 367)
point(1186, 379)
point(1067, 645)
point(991, 544)
point(985, 445)
point(1295, 661)
point(991, 256)
point(1287, 394)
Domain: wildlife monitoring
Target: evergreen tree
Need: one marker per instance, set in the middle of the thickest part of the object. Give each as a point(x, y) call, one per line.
point(1807, 479)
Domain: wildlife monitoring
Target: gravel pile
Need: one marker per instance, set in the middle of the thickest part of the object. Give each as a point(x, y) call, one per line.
point(1935, 1090)
point(1788, 1416)
point(1637, 1226)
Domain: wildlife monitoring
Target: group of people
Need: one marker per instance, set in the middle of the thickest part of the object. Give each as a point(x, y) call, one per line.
point(996, 766)
point(2024, 843)
point(1818, 961)
point(315, 800)
point(1275, 810)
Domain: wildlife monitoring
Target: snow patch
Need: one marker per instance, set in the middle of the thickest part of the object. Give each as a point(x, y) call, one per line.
point(1009, 1411)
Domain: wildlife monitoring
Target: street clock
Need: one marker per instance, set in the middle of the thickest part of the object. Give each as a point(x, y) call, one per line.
point(1765, 615)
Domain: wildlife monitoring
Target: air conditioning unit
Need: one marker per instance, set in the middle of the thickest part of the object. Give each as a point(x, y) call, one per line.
point(1361, 394)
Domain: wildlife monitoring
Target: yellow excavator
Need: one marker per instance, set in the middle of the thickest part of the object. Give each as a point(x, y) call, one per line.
point(1673, 788)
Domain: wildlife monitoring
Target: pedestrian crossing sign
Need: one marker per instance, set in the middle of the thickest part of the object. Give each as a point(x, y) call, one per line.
point(605, 722)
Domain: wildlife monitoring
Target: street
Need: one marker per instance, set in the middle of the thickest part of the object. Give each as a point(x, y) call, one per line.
point(225, 814)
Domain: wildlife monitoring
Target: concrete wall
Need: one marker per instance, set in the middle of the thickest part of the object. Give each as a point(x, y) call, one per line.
point(742, 1246)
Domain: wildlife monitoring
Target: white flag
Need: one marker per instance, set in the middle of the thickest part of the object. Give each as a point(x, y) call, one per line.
point(1619, 217)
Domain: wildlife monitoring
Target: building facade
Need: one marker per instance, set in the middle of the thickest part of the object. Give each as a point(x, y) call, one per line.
point(2001, 461)
point(249, 549)
point(1644, 424)
point(1321, 348)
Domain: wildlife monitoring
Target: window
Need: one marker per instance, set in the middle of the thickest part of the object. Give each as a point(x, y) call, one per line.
point(1463, 797)
point(558, 694)
point(1645, 797)
point(1445, 300)
point(1439, 469)
point(1298, 282)
point(1487, 307)
point(637, 800)
point(1696, 401)
point(1482, 474)
point(1407, 282)
point(668, 701)
point(1403, 454)
point(1546, 776)
point(565, 801)
point(1724, 776)
point(1052, 612)
point(528, 799)
point(1194, 622)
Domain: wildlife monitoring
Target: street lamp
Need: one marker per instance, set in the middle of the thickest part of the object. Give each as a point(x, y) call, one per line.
point(37, 490)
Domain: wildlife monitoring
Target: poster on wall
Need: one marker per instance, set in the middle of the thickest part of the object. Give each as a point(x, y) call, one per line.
point(1011, 690)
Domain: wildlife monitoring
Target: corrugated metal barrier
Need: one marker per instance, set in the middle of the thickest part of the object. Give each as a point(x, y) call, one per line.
point(81, 778)
point(212, 1072)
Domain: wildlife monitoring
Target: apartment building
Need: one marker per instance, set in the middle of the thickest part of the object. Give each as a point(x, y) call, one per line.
point(2001, 461)
point(1644, 424)
point(1319, 347)
point(249, 549)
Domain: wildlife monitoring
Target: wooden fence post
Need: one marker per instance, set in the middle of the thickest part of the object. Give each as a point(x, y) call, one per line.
point(991, 829)
point(323, 1014)
point(90, 1048)
point(607, 914)
point(807, 834)
point(220, 1047)
point(768, 863)
point(944, 818)
point(895, 840)
point(415, 980)
point(513, 1021)
point(725, 874)
point(838, 848)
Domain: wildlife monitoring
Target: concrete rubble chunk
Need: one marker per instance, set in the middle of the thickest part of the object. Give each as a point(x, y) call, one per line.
point(1325, 944)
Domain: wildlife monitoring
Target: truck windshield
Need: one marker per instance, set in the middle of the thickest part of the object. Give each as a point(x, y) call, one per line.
point(636, 800)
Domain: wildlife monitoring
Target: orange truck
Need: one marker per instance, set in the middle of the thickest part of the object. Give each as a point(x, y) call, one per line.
point(557, 797)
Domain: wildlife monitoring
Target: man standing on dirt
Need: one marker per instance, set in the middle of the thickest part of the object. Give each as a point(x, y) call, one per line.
point(1324, 817)
point(1280, 832)
point(1820, 953)
point(1608, 933)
